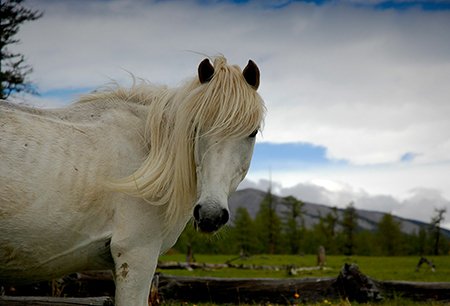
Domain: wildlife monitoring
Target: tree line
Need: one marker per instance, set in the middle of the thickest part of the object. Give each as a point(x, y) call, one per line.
point(272, 233)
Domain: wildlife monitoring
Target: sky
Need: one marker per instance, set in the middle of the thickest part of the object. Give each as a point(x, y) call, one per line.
point(357, 92)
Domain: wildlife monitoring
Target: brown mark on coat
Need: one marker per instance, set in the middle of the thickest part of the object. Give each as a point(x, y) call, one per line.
point(123, 270)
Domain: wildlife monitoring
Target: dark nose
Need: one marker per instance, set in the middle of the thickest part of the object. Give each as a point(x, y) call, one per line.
point(210, 220)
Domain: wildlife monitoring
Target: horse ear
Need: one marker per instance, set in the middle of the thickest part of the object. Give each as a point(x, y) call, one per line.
point(205, 71)
point(251, 74)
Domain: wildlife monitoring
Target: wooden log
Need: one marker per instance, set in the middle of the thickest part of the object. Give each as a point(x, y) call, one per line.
point(353, 285)
point(292, 271)
point(86, 284)
point(238, 290)
point(423, 260)
point(54, 301)
point(417, 291)
point(191, 266)
point(172, 265)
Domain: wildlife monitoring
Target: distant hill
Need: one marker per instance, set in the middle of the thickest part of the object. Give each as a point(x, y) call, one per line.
point(251, 199)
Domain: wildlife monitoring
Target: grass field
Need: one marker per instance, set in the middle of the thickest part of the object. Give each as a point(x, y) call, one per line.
point(381, 268)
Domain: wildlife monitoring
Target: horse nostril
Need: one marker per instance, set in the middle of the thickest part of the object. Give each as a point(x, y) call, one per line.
point(225, 216)
point(197, 212)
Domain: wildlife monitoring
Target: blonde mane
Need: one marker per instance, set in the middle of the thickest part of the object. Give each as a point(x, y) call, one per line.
point(226, 106)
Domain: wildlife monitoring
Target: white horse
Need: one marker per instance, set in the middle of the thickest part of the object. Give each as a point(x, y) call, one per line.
point(111, 181)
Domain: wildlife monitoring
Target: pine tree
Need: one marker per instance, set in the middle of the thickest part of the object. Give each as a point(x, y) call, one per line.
point(294, 223)
point(327, 226)
point(187, 242)
point(389, 235)
point(422, 242)
point(14, 70)
point(268, 226)
point(244, 232)
point(349, 225)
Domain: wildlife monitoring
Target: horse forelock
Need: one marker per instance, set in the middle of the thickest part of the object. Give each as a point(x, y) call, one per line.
point(226, 107)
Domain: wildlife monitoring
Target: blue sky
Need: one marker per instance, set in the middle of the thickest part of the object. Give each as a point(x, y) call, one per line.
point(285, 156)
point(356, 91)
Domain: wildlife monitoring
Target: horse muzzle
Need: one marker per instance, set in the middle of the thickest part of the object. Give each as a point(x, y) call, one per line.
point(209, 217)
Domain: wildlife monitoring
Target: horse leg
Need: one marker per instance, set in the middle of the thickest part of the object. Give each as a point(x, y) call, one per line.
point(135, 247)
point(134, 271)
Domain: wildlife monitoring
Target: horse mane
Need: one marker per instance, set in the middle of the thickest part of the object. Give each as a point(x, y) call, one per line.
point(226, 107)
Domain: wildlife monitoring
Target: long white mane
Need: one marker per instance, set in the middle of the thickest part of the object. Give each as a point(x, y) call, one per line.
point(227, 107)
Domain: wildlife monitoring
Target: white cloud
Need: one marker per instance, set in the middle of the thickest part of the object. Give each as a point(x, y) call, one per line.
point(394, 179)
point(84, 43)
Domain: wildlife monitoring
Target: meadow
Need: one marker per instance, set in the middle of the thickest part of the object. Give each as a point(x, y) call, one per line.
point(380, 268)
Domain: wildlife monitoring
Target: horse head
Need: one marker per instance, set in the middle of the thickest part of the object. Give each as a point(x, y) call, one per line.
point(222, 161)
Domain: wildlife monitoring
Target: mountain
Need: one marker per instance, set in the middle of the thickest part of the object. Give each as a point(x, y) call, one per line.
point(368, 220)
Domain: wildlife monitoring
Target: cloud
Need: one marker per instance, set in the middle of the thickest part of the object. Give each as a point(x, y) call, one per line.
point(420, 204)
point(80, 44)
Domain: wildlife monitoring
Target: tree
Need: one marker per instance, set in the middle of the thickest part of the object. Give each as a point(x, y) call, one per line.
point(389, 235)
point(422, 242)
point(327, 226)
point(187, 241)
point(436, 221)
point(244, 233)
point(349, 225)
point(293, 230)
point(14, 70)
point(416, 243)
point(367, 243)
point(268, 226)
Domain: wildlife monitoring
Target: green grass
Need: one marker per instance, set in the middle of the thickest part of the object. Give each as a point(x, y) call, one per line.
point(381, 268)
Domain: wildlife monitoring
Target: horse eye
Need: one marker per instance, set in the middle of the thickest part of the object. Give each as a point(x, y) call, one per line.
point(253, 135)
